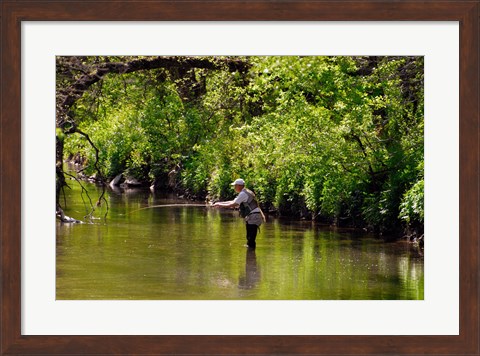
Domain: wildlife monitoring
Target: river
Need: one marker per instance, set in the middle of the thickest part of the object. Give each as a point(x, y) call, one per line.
point(198, 253)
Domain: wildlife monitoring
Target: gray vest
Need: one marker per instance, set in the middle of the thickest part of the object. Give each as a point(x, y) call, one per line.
point(247, 207)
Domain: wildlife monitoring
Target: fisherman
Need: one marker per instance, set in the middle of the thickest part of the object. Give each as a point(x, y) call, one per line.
point(249, 210)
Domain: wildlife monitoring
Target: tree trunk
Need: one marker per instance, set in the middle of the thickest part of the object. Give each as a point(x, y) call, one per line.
point(60, 179)
point(71, 87)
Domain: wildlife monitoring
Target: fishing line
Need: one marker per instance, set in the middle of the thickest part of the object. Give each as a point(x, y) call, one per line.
point(168, 206)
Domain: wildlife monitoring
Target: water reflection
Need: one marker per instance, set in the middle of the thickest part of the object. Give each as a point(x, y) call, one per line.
point(198, 253)
point(251, 276)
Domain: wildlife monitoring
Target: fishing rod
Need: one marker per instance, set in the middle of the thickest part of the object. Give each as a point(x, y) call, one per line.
point(169, 205)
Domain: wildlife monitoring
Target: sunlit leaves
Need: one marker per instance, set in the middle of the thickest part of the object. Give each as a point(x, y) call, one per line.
point(336, 137)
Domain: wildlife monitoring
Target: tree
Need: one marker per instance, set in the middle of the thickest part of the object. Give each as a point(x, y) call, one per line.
point(76, 75)
point(338, 139)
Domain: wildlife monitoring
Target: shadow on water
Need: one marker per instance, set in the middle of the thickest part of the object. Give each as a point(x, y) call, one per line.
point(195, 252)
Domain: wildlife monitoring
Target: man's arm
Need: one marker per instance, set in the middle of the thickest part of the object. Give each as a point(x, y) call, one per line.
point(225, 204)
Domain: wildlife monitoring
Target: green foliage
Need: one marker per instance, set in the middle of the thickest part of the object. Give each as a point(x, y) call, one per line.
point(340, 138)
point(411, 207)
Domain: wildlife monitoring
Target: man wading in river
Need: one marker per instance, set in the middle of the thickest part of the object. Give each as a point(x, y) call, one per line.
point(249, 210)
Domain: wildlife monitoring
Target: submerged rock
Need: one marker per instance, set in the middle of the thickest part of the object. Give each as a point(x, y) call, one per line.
point(116, 181)
point(67, 219)
point(131, 181)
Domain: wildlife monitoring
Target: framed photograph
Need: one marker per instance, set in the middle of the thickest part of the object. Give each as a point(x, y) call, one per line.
point(194, 302)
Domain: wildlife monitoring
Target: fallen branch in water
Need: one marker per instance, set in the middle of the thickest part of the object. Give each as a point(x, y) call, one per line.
point(100, 176)
point(81, 194)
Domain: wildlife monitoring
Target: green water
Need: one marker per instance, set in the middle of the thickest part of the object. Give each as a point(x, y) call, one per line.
point(199, 253)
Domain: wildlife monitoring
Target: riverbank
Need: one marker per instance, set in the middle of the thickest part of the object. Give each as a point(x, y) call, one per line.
point(128, 184)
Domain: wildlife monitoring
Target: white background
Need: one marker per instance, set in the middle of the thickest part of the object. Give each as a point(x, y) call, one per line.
point(437, 314)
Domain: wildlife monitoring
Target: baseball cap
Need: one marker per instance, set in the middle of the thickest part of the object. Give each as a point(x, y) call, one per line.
point(238, 181)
